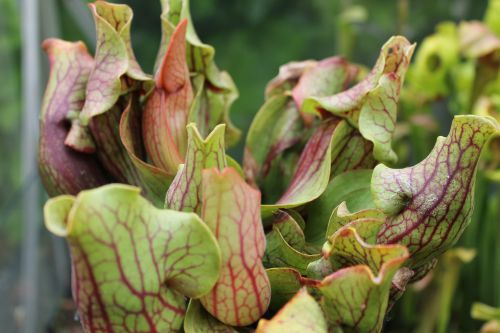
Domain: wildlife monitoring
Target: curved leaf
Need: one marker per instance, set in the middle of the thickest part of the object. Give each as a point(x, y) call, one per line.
point(231, 210)
point(285, 282)
point(301, 314)
point(154, 181)
point(371, 105)
point(166, 111)
point(353, 187)
point(215, 89)
point(347, 248)
point(105, 129)
point(430, 204)
point(113, 58)
point(275, 128)
point(341, 217)
point(288, 76)
point(132, 263)
point(198, 320)
point(313, 170)
point(279, 126)
point(356, 297)
point(64, 170)
point(286, 246)
point(326, 77)
point(185, 193)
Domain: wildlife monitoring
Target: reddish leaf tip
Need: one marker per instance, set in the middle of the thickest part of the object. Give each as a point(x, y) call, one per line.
point(174, 73)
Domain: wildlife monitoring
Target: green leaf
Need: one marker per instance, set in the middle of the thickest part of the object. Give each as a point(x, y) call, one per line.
point(486, 106)
point(276, 127)
point(113, 58)
point(231, 209)
point(347, 248)
point(112, 154)
point(351, 187)
point(312, 173)
point(185, 193)
point(485, 312)
point(429, 205)
point(326, 77)
point(198, 320)
point(132, 263)
point(366, 221)
point(285, 282)
point(215, 89)
point(279, 126)
point(301, 314)
point(350, 150)
point(356, 297)
point(371, 105)
point(154, 181)
point(492, 17)
point(64, 170)
point(288, 76)
point(285, 245)
point(165, 115)
point(436, 56)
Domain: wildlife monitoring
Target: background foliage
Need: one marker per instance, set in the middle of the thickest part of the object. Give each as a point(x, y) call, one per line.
point(252, 39)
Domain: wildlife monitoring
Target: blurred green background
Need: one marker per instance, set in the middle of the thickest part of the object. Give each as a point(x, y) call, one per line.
point(252, 39)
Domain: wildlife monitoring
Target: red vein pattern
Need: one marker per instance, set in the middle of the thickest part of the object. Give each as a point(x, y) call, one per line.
point(63, 170)
point(310, 163)
point(111, 59)
point(185, 192)
point(231, 209)
point(166, 112)
point(132, 263)
point(154, 181)
point(430, 204)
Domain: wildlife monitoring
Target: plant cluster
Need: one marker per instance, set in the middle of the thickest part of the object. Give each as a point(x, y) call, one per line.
point(314, 233)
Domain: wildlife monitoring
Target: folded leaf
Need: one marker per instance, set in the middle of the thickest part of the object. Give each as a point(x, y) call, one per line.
point(353, 187)
point(132, 263)
point(490, 165)
point(231, 210)
point(371, 105)
point(301, 314)
point(288, 76)
point(185, 193)
point(430, 204)
point(276, 127)
point(347, 248)
point(266, 155)
point(211, 106)
point(62, 169)
point(215, 89)
point(350, 150)
point(285, 283)
point(198, 320)
point(112, 154)
point(341, 217)
point(356, 297)
point(327, 77)
point(166, 111)
point(154, 181)
point(286, 246)
point(334, 144)
point(114, 63)
point(313, 170)
point(113, 58)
